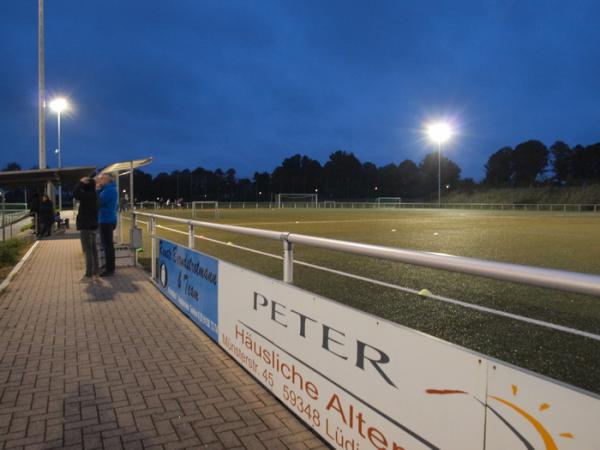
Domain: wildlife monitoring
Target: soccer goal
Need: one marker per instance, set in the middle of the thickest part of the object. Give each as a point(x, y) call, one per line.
point(297, 200)
point(204, 209)
point(148, 205)
point(388, 201)
point(329, 204)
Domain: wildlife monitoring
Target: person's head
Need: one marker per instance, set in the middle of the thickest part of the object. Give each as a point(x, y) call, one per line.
point(45, 198)
point(104, 179)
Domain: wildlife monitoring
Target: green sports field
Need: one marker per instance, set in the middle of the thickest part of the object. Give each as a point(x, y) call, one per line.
point(545, 239)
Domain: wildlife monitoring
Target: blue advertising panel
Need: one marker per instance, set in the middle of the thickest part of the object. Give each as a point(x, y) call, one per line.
point(189, 279)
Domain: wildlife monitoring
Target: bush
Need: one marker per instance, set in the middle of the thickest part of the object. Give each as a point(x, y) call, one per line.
point(9, 251)
point(26, 227)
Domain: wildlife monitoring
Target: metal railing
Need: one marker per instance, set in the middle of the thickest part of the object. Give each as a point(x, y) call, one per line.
point(8, 217)
point(580, 283)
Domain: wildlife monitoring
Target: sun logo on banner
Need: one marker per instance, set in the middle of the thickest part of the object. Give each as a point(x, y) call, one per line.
point(544, 434)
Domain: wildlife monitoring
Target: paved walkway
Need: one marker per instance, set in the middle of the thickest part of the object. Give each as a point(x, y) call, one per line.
point(115, 365)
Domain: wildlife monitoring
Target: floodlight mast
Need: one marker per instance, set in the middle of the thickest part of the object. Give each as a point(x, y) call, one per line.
point(439, 132)
point(58, 105)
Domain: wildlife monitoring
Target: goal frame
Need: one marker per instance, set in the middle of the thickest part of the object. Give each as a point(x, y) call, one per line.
point(214, 203)
point(395, 201)
point(314, 198)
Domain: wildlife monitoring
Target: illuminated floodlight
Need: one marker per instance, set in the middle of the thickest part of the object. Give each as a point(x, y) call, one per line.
point(439, 132)
point(59, 105)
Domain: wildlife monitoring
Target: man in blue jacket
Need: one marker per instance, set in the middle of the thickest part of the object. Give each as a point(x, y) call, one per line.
point(107, 220)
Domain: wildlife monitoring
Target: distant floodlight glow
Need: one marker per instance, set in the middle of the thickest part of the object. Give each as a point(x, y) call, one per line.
point(58, 105)
point(439, 132)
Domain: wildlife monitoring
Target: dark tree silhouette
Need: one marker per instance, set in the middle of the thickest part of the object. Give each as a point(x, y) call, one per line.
point(529, 161)
point(12, 166)
point(429, 172)
point(586, 164)
point(410, 179)
point(499, 169)
point(343, 175)
point(562, 162)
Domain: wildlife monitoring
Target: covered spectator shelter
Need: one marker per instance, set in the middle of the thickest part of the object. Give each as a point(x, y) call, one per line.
point(124, 168)
point(43, 178)
point(18, 178)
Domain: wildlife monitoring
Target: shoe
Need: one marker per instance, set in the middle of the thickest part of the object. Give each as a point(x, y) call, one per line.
point(107, 274)
point(85, 279)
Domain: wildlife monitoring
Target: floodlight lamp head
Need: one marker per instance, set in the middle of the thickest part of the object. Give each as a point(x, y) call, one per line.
point(439, 132)
point(59, 105)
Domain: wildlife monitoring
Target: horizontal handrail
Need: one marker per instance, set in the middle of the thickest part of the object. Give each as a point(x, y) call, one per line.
point(575, 282)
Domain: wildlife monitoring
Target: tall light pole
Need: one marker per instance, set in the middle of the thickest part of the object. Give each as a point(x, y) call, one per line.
point(439, 132)
point(41, 89)
point(58, 105)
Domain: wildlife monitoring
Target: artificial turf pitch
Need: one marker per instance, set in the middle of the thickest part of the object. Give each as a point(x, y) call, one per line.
point(546, 239)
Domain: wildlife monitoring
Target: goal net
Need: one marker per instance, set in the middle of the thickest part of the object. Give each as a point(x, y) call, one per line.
point(205, 209)
point(297, 200)
point(389, 201)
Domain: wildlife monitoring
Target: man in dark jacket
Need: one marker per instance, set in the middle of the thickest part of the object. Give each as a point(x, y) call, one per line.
point(46, 215)
point(107, 219)
point(87, 224)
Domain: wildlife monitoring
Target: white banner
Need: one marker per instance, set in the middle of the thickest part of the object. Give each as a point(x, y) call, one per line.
point(364, 383)
point(525, 411)
point(359, 381)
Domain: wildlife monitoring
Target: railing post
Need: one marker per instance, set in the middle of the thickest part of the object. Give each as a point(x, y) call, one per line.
point(191, 236)
point(134, 256)
point(288, 261)
point(153, 246)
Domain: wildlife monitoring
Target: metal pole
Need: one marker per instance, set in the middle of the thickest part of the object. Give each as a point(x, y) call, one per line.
point(3, 217)
point(119, 207)
point(153, 246)
point(41, 89)
point(59, 165)
point(288, 261)
point(191, 236)
point(439, 174)
point(132, 249)
point(131, 200)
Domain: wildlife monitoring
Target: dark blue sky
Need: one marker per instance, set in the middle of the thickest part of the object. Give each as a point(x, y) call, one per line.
point(244, 84)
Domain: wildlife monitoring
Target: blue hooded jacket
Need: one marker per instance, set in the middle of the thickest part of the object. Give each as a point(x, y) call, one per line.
point(108, 204)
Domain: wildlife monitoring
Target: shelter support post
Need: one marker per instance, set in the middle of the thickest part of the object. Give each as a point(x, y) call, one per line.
point(153, 245)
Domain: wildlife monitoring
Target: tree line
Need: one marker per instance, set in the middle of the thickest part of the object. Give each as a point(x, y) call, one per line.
point(344, 176)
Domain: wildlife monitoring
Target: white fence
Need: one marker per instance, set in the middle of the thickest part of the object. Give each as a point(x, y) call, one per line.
point(557, 207)
point(357, 379)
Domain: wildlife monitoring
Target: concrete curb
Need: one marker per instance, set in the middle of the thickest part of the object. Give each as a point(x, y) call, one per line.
point(15, 269)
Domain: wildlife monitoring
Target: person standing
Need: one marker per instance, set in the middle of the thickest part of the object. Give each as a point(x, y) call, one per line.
point(107, 220)
point(87, 224)
point(46, 216)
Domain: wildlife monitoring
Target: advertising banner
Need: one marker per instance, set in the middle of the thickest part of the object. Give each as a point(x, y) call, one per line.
point(526, 411)
point(364, 383)
point(359, 381)
point(190, 280)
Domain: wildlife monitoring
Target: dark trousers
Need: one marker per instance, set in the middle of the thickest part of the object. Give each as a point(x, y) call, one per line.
point(45, 228)
point(88, 245)
point(106, 239)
